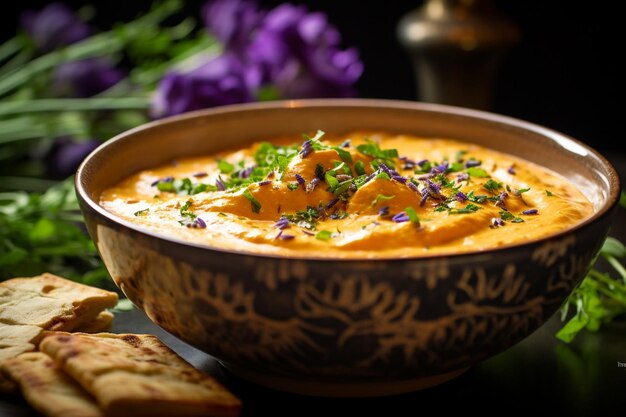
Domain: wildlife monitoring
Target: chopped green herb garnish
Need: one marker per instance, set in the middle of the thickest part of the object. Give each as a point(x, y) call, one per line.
point(381, 197)
point(359, 168)
point(517, 220)
point(330, 179)
point(319, 171)
point(470, 208)
point(522, 191)
point(459, 155)
point(383, 175)
point(304, 218)
point(342, 187)
point(225, 167)
point(142, 213)
point(166, 187)
point(343, 154)
point(293, 186)
point(413, 217)
point(492, 186)
point(256, 206)
point(476, 198)
point(477, 172)
point(324, 235)
point(505, 215)
point(372, 149)
point(549, 193)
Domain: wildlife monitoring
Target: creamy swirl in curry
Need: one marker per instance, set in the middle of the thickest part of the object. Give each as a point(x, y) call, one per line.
point(362, 195)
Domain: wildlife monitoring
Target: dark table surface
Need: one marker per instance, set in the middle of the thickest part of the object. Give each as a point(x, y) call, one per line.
point(540, 375)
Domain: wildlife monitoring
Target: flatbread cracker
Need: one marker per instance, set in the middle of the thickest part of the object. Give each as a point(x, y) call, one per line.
point(47, 388)
point(51, 302)
point(137, 375)
point(102, 323)
point(14, 340)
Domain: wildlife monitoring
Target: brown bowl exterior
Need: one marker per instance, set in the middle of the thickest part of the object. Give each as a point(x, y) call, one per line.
point(346, 321)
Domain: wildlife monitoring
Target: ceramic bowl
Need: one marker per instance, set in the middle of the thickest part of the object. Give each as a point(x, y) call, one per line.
point(344, 327)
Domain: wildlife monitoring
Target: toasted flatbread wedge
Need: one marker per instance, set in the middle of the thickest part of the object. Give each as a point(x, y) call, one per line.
point(14, 340)
point(102, 323)
point(137, 375)
point(47, 388)
point(51, 302)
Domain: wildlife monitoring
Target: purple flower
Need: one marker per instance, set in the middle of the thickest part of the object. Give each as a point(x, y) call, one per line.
point(300, 55)
point(54, 26)
point(232, 22)
point(85, 78)
point(400, 217)
point(530, 212)
point(219, 81)
point(496, 222)
point(66, 154)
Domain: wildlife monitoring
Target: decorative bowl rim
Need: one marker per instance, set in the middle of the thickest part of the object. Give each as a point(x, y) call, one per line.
point(559, 138)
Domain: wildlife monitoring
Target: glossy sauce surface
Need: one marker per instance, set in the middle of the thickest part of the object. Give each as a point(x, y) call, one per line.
point(361, 195)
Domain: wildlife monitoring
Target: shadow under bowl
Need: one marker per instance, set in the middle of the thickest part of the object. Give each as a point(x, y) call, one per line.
point(344, 327)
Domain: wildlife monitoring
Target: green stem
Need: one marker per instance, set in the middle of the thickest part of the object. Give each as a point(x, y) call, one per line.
point(617, 266)
point(73, 104)
point(9, 48)
point(603, 278)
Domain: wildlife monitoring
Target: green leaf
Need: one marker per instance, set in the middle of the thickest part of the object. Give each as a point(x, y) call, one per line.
point(613, 247)
point(413, 217)
point(359, 168)
point(256, 206)
point(44, 229)
point(225, 167)
point(572, 328)
point(381, 197)
point(492, 186)
point(343, 154)
point(142, 213)
point(549, 193)
point(323, 235)
point(477, 172)
point(468, 209)
point(622, 199)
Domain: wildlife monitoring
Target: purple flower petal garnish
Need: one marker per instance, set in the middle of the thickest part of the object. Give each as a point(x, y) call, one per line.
point(399, 178)
point(425, 195)
point(422, 162)
point(306, 232)
point(435, 188)
point(311, 185)
point(412, 186)
point(530, 211)
point(440, 169)
point(219, 183)
point(245, 173)
point(270, 174)
point(383, 211)
point(343, 177)
point(511, 170)
point(201, 174)
point(307, 148)
point(497, 222)
point(332, 202)
point(201, 224)
point(264, 182)
point(464, 176)
point(472, 163)
point(501, 199)
point(300, 179)
point(282, 223)
point(345, 143)
point(460, 196)
point(165, 179)
point(400, 217)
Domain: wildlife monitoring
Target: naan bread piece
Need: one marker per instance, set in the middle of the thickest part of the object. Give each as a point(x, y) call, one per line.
point(51, 302)
point(102, 323)
point(14, 340)
point(47, 388)
point(137, 375)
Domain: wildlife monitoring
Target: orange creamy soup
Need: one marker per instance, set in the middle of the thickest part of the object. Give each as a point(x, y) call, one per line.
point(361, 195)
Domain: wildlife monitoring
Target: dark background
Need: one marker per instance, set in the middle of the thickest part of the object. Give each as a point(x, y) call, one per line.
point(564, 74)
